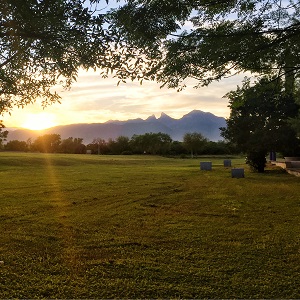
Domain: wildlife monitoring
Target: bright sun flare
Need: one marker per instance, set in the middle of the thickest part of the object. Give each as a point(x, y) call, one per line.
point(39, 121)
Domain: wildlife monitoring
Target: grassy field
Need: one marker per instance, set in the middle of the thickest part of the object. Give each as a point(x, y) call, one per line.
point(82, 226)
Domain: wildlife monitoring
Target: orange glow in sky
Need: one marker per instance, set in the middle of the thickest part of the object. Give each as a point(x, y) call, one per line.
point(39, 121)
point(93, 99)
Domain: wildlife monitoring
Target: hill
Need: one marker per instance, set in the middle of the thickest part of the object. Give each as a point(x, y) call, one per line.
point(195, 121)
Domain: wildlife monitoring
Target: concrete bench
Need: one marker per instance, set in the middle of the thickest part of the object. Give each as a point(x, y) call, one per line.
point(238, 173)
point(206, 165)
point(227, 163)
point(291, 158)
point(292, 164)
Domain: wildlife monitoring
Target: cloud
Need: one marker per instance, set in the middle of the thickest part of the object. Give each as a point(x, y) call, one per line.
point(93, 99)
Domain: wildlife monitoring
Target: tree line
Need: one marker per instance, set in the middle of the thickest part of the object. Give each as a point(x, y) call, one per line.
point(149, 143)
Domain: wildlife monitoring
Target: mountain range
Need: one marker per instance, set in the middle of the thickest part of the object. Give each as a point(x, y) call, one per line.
point(195, 121)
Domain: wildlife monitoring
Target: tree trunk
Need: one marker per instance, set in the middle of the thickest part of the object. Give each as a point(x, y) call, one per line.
point(289, 73)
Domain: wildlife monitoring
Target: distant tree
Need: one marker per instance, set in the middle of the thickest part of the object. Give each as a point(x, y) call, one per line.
point(194, 142)
point(216, 148)
point(48, 143)
point(16, 145)
point(177, 148)
point(259, 120)
point(98, 146)
point(138, 144)
point(160, 143)
point(67, 146)
point(80, 148)
point(72, 145)
point(122, 144)
point(29, 143)
point(151, 143)
point(112, 146)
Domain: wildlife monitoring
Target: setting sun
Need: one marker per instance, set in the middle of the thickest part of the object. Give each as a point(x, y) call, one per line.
point(39, 121)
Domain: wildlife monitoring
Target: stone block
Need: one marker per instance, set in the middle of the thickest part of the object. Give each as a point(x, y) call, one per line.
point(238, 173)
point(227, 163)
point(291, 158)
point(295, 164)
point(206, 165)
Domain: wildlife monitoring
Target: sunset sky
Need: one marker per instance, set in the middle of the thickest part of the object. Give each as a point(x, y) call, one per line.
point(93, 99)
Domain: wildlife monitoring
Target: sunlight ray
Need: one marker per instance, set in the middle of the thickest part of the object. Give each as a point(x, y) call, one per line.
point(58, 200)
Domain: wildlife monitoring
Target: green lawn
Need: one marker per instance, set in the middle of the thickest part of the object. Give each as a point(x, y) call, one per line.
point(83, 226)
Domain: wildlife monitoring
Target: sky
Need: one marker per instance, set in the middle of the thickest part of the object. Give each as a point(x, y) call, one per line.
point(93, 99)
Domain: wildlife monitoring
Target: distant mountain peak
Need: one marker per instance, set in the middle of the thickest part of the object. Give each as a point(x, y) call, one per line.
point(164, 116)
point(151, 118)
point(196, 112)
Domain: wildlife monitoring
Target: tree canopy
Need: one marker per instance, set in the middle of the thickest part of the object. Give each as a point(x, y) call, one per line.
point(44, 43)
point(259, 120)
point(194, 142)
point(227, 37)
